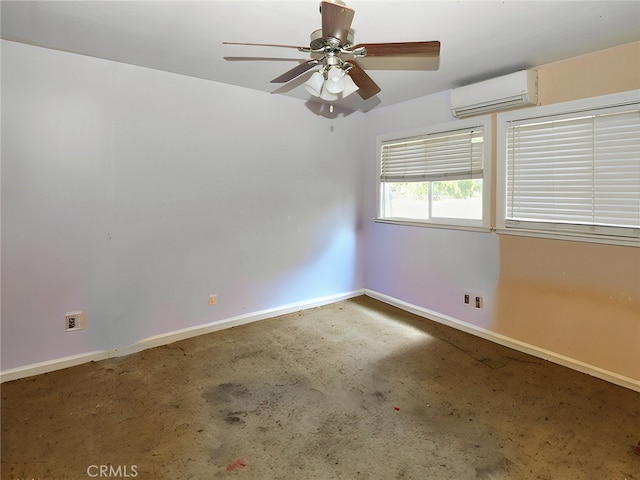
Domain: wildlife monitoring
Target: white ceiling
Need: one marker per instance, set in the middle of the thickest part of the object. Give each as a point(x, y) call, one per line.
point(480, 39)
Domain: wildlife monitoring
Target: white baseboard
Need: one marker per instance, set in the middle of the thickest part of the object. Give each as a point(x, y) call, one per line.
point(554, 357)
point(52, 365)
point(185, 333)
point(169, 337)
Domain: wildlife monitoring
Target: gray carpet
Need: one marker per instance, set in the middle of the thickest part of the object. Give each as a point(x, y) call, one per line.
point(353, 390)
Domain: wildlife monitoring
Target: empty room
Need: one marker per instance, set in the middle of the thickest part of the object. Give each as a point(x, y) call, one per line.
point(320, 240)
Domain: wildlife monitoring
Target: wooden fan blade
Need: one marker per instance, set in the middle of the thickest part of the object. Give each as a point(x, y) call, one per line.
point(302, 49)
point(296, 71)
point(402, 49)
point(367, 88)
point(336, 20)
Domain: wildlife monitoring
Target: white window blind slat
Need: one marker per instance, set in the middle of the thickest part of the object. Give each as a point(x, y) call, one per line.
point(443, 156)
point(582, 171)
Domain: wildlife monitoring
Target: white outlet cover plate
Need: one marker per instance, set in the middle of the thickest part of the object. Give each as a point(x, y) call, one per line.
point(79, 320)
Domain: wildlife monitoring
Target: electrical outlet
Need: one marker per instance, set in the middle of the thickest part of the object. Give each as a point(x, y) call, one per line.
point(74, 321)
point(478, 303)
point(472, 300)
point(213, 300)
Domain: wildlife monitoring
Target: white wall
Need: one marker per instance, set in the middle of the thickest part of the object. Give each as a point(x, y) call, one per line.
point(133, 194)
point(426, 267)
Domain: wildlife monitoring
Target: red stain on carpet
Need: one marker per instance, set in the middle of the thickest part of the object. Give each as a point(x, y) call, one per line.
point(240, 463)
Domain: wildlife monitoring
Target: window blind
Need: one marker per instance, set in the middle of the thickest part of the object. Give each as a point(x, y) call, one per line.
point(454, 155)
point(575, 169)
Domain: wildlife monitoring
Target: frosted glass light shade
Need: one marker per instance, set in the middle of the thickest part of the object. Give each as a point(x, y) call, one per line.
point(314, 84)
point(349, 86)
point(327, 95)
point(335, 80)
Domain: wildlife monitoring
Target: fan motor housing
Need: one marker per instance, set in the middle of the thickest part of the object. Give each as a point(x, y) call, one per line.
point(318, 42)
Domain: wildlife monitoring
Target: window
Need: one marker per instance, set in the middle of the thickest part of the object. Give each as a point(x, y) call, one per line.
point(572, 169)
point(436, 177)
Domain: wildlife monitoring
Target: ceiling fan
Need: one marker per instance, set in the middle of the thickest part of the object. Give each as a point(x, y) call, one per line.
point(332, 49)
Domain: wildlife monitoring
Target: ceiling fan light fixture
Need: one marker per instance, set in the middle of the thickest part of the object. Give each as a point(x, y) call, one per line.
point(314, 84)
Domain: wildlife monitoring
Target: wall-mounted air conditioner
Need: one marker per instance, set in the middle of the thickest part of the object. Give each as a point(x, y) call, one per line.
point(502, 93)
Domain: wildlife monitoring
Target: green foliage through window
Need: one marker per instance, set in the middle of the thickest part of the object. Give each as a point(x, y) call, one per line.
point(454, 189)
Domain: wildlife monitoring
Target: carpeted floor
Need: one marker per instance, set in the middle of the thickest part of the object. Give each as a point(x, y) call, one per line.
point(352, 390)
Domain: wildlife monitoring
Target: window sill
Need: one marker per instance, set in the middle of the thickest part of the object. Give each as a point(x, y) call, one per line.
point(417, 223)
point(573, 237)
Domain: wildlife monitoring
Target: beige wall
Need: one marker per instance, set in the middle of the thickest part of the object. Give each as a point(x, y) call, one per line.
point(577, 299)
point(599, 73)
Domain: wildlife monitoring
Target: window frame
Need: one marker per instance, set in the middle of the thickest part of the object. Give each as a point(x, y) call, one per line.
point(562, 231)
point(483, 224)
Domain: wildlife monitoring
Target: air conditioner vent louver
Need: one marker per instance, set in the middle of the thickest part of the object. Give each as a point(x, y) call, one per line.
point(502, 93)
